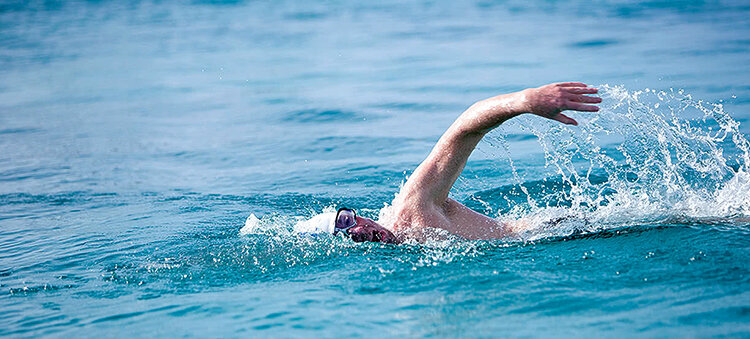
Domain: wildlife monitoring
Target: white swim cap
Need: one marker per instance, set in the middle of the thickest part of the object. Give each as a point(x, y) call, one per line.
point(321, 223)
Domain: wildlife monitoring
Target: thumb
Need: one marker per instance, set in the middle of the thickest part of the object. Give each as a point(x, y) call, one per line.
point(565, 119)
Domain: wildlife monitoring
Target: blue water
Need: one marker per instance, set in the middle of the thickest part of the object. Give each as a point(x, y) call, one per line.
point(136, 138)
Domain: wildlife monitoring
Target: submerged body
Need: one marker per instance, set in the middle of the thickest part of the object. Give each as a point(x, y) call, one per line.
point(423, 201)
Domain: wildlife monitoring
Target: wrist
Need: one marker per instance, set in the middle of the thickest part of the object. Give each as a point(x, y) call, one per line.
point(507, 106)
point(524, 101)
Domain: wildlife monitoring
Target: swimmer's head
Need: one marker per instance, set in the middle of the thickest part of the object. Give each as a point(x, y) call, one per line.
point(345, 221)
point(362, 229)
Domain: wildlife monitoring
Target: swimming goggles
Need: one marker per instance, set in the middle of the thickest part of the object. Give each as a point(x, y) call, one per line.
point(345, 219)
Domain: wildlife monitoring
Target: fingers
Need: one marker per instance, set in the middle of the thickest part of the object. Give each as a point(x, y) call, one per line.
point(584, 99)
point(577, 106)
point(565, 119)
point(571, 84)
point(585, 90)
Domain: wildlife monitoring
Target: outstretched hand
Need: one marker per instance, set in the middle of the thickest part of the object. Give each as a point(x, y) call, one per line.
point(550, 100)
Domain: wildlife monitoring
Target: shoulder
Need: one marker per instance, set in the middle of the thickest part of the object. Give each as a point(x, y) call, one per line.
point(409, 212)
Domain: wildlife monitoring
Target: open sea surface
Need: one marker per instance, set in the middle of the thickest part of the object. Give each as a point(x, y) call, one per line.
point(138, 138)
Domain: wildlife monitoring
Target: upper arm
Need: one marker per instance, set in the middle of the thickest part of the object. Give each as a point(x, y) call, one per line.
point(432, 180)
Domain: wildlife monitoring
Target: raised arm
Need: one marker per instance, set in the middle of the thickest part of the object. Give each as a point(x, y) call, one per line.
point(432, 180)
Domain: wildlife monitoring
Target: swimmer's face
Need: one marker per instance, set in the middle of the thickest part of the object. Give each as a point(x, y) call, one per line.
point(368, 230)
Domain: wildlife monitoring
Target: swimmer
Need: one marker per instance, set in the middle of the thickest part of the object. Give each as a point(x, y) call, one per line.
point(423, 201)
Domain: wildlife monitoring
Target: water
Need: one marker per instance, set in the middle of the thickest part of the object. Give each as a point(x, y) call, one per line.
point(136, 138)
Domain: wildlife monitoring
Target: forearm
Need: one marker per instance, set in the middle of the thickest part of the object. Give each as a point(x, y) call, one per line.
point(485, 115)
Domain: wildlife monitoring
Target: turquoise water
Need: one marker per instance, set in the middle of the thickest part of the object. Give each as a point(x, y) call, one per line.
point(136, 138)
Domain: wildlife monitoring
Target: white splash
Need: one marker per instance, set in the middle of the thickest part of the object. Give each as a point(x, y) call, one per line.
point(647, 156)
point(251, 225)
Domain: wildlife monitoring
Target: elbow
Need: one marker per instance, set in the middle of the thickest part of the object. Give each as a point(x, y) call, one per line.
point(469, 126)
point(460, 133)
point(478, 119)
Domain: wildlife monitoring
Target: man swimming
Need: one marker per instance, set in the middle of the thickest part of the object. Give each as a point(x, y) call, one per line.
point(423, 201)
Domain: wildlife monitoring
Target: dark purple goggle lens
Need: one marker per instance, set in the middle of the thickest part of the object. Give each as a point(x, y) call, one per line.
point(345, 219)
